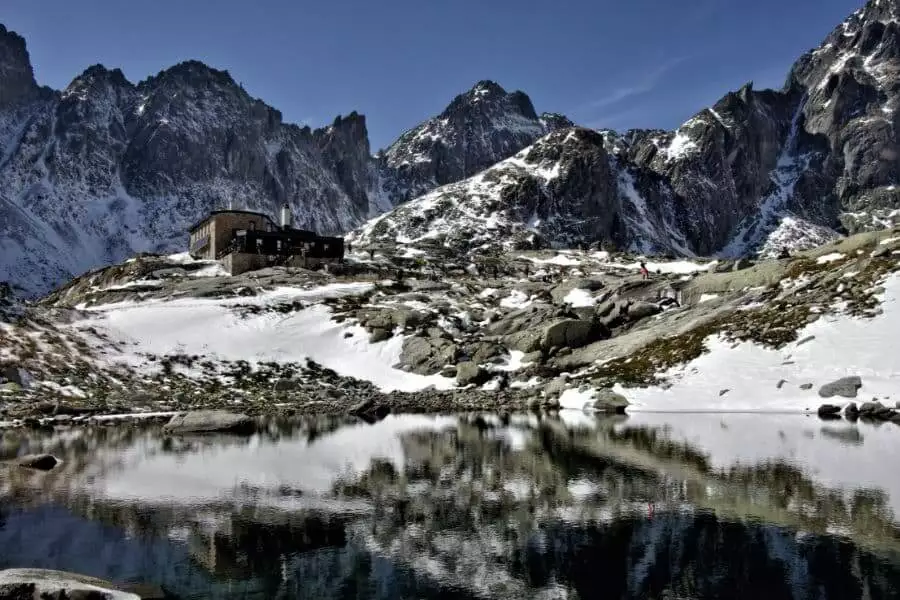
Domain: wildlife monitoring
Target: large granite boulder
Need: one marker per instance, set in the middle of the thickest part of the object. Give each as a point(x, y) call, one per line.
point(210, 421)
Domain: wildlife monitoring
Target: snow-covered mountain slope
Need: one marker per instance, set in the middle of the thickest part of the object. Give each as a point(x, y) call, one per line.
point(479, 128)
point(757, 171)
point(563, 190)
point(106, 168)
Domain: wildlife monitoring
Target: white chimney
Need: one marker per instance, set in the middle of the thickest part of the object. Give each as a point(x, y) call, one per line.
point(286, 217)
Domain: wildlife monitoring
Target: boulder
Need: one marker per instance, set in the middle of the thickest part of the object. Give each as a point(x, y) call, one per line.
point(536, 358)
point(379, 334)
point(605, 309)
point(584, 313)
point(38, 462)
point(483, 352)
point(722, 266)
point(44, 583)
point(572, 333)
point(210, 421)
point(428, 355)
point(851, 411)
point(527, 341)
point(641, 310)
point(285, 385)
point(12, 374)
point(470, 373)
point(608, 401)
point(741, 264)
point(369, 410)
point(390, 318)
point(829, 411)
point(556, 387)
point(846, 387)
point(868, 409)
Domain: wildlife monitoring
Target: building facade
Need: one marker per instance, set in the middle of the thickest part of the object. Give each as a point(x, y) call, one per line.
point(211, 236)
point(245, 240)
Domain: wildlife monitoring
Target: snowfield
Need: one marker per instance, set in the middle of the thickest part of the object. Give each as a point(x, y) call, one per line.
point(211, 328)
point(746, 377)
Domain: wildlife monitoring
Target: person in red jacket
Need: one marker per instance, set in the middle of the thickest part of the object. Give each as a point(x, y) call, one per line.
point(645, 274)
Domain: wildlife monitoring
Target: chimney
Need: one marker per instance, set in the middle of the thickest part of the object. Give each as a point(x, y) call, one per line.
point(286, 217)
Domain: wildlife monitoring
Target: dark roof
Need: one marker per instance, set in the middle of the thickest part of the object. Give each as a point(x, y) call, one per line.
point(220, 212)
point(294, 233)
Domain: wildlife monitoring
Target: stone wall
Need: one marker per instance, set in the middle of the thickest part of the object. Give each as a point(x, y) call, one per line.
point(239, 262)
point(310, 262)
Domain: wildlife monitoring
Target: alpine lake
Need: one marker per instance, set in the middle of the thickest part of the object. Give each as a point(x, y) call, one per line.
point(554, 505)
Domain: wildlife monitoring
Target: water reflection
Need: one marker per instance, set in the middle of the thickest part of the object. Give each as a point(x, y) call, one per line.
point(474, 506)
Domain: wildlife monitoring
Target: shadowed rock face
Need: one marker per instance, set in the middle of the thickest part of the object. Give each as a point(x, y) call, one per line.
point(16, 75)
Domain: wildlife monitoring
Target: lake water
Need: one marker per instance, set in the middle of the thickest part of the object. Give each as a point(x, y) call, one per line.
point(474, 506)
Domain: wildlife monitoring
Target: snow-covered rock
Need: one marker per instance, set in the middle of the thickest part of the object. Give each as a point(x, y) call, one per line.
point(478, 129)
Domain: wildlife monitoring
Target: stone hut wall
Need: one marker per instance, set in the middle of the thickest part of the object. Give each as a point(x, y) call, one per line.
point(239, 262)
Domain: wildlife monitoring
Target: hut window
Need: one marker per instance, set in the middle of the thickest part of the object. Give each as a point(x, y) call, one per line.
point(326, 247)
point(252, 225)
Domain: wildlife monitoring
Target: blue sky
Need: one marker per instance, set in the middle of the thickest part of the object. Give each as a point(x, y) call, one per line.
point(604, 63)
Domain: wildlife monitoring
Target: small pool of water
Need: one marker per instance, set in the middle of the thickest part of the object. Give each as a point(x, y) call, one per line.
point(469, 506)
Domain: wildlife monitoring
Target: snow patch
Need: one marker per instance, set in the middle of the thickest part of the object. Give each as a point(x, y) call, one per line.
point(212, 328)
point(832, 348)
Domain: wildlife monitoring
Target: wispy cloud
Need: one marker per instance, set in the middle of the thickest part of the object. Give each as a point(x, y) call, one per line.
point(619, 121)
point(644, 84)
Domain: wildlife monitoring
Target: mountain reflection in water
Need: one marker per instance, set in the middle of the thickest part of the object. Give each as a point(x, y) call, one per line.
point(473, 506)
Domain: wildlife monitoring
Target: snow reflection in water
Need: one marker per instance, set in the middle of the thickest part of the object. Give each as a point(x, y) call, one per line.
point(487, 506)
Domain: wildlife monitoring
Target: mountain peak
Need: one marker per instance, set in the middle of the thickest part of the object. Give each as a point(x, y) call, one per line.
point(554, 121)
point(882, 10)
point(488, 96)
point(16, 74)
point(97, 75)
point(487, 87)
point(192, 73)
point(351, 127)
